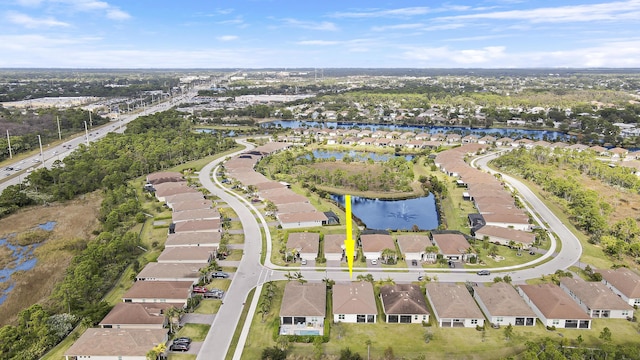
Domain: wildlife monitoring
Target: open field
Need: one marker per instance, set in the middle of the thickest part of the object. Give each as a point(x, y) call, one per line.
point(75, 222)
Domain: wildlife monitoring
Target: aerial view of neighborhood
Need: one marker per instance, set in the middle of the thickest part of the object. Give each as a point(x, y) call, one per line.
point(230, 208)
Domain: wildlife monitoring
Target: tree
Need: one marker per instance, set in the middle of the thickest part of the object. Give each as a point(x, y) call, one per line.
point(605, 335)
point(346, 354)
point(508, 332)
point(273, 353)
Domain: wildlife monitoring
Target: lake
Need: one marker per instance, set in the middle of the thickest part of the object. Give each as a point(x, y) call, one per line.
point(497, 132)
point(394, 214)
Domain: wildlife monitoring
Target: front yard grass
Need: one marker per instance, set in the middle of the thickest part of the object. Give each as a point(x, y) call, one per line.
point(208, 306)
point(197, 332)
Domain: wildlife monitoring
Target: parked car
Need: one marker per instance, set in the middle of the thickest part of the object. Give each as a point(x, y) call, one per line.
point(180, 346)
point(420, 277)
point(183, 339)
point(213, 294)
point(303, 262)
point(200, 289)
point(219, 275)
point(414, 262)
point(374, 262)
point(484, 272)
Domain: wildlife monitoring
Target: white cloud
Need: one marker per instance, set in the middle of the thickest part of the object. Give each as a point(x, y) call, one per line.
point(398, 27)
point(465, 57)
point(400, 12)
point(33, 23)
point(612, 11)
point(310, 25)
point(117, 14)
point(227, 37)
point(318, 42)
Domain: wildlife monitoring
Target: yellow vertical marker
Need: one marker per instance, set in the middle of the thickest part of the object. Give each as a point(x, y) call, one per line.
point(349, 243)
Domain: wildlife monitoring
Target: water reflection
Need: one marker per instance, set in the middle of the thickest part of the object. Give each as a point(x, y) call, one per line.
point(394, 214)
point(497, 132)
point(357, 155)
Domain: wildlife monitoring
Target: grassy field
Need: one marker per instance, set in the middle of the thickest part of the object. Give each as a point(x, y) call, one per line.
point(75, 222)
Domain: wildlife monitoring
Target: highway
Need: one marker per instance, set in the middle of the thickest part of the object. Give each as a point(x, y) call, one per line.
point(251, 274)
point(50, 154)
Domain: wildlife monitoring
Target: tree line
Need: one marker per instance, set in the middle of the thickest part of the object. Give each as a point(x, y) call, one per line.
point(586, 207)
point(159, 141)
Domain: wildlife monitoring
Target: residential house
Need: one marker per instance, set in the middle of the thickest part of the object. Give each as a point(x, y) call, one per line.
point(596, 299)
point(156, 271)
point(374, 244)
point(171, 200)
point(205, 239)
point(334, 247)
point(502, 305)
point(413, 247)
point(197, 226)
point(164, 176)
point(306, 244)
point(453, 247)
point(303, 309)
point(554, 307)
point(190, 205)
point(354, 303)
point(506, 236)
point(301, 220)
point(197, 214)
point(404, 304)
point(171, 292)
point(135, 316)
point(188, 254)
point(116, 344)
point(624, 282)
point(453, 306)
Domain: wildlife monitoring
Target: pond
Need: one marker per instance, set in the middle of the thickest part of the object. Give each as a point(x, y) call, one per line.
point(394, 214)
point(357, 155)
point(497, 132)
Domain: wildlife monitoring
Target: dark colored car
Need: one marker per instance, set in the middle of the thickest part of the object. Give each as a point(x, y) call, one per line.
point(219, 275)
point(180, 346)
point(484, 272)
point(414, 262)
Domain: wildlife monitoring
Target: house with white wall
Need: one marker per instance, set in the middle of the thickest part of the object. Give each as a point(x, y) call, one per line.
point(554, 307)
point(596, 299)
point(453, 306)
point(502, 305)
point(354, 302)
point(624, 282)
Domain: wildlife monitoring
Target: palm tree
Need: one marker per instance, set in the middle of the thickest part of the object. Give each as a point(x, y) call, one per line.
point(388, 254)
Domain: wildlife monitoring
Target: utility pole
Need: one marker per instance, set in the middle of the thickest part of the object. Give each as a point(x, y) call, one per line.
point(90, 120)
point(41, 154)
point(9, 142)
point(86, 132)
point(59, 133)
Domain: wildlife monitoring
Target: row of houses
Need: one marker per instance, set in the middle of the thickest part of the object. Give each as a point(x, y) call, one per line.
point(451, 246)
point(571, 305)
point(293, 210)
point(137, 324)
point(423, 140)
point(499, 218)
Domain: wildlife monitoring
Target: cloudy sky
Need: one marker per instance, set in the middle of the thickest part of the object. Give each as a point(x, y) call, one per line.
point(322, 34)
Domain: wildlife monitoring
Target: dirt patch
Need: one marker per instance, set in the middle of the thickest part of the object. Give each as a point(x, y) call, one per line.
point(623, 203)
point(75, 221)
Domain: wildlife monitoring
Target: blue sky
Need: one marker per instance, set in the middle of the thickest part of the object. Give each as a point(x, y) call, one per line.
point(322, 34)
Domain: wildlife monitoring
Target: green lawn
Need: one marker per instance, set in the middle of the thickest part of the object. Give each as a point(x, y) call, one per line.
point(208, 306)
point(236, 238)
point(197, 332)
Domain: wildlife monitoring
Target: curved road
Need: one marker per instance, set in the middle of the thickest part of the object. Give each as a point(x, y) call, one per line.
point(251, 274)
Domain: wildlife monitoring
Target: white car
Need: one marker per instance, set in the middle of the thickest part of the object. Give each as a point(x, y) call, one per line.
point(303, 262)
point(374, 261)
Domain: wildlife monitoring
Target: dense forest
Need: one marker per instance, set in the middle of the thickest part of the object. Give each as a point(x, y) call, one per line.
point(559, 174)
point(149, 144)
